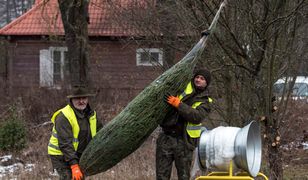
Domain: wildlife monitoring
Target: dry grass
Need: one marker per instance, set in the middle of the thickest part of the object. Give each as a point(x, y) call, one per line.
point(139, 165)
point(38, 109)
point(297, 166)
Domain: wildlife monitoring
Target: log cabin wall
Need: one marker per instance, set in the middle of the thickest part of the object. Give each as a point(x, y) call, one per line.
point(114, 72)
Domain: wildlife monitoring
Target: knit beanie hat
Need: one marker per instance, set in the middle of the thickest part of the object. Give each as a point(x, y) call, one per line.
point(205, 73)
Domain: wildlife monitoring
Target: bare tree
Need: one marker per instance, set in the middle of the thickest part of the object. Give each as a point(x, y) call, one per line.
point(11, 9)
point(263, 51)
point(255, 44)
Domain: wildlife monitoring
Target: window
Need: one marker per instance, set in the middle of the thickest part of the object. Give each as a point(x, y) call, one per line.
point(149, 57)
point(60, 64)
point(3, 61)
point(3, 58)
point(54, 66)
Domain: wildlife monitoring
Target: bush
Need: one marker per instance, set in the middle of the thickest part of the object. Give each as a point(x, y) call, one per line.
point(12, 135)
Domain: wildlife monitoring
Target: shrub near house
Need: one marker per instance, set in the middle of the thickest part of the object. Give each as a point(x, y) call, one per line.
point(12, 134)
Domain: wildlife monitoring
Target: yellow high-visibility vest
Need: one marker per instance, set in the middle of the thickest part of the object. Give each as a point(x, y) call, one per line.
point(68, 112)
point(193, 130)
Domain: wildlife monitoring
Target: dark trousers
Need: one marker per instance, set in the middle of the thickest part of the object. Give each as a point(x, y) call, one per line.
point(62, 167)
point(64, 173)
point(171, 149)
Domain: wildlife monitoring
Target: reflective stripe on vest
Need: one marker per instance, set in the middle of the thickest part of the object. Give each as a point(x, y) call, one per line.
point(193, 130)
point(68, 112)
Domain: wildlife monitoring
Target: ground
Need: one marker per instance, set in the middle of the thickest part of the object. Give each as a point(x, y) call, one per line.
point(33, 162)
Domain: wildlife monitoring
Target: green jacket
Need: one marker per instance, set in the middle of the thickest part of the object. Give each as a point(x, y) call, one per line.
point(65, 137)
point(175, 121)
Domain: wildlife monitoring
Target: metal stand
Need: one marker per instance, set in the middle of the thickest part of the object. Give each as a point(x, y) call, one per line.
point(229, 175)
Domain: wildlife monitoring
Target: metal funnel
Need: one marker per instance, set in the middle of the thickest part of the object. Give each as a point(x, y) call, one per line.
point(248, 148)
point(246, 151)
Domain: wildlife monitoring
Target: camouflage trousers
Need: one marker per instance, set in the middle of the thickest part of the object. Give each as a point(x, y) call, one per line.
point(64, 173)
point(172, 149)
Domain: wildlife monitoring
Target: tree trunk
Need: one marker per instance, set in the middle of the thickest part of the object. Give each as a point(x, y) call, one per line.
point(8, 12)
point(168, 30)
point(274, 154)
point(74, 16)
point(15, 9)
point(229, 97)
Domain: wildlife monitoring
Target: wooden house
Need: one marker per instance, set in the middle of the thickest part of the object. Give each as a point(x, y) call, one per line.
point(36, 52)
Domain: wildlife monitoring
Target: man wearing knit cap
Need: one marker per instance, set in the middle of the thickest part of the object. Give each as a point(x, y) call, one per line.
point(181, 128)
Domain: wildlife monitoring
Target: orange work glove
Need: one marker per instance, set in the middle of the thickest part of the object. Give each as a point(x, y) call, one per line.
point(76, 172)
point(174, 101)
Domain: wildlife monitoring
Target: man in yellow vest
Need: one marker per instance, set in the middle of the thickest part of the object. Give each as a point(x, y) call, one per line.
point(74, 127)
point(181, 128)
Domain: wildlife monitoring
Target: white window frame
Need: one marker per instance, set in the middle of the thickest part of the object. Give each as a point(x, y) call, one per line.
point(149, 50)
point(47, 66)
point(62, 50)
